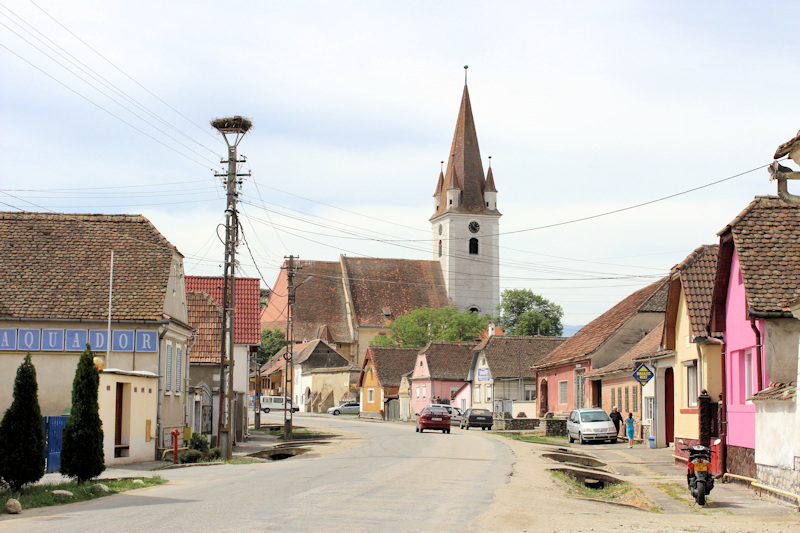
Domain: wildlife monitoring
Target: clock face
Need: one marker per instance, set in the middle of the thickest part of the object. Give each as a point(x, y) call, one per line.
point(440, 229)
point(474, 227)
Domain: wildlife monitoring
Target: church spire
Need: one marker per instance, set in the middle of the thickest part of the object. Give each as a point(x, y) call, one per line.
point(465, 169)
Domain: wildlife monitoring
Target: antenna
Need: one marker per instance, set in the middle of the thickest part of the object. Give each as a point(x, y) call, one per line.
point(490, 161)
point(465, 73)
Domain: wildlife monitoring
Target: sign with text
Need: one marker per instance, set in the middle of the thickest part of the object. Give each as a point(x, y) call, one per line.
point(75, 340)
point(642, 374)
point(483, 374)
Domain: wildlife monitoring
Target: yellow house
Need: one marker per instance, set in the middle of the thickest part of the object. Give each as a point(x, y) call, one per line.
point(381, 375)
point(697, 354)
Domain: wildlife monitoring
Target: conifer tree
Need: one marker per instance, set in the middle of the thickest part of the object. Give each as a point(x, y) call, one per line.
point(22, 446)
point(82, 441)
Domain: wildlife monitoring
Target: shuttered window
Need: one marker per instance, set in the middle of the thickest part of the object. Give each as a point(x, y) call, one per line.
point(168, 368)
point(178, 368)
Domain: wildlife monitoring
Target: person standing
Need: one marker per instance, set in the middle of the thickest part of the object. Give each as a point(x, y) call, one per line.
point(629, 429)
point(616, 417)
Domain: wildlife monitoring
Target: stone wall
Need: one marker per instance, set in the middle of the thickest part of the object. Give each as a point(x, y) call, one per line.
point(741, 461)
point(784, 479)
point(516, 424)
point(554, 427)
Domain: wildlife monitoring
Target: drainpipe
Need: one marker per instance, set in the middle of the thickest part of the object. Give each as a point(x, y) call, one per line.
point(186, 381)
point(723, 422)
point(759, 381)
point(158, 396)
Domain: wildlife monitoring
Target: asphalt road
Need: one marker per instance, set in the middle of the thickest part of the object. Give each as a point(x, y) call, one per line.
point(396, 480)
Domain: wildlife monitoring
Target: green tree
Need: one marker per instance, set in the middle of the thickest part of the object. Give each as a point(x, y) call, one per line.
point(22, 446)
point(271, 343)
point(524, 313)
point(418, 327)
point(82, 442)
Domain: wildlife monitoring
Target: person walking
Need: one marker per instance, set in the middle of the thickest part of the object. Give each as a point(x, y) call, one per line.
point(629, 429)
point(616, 417)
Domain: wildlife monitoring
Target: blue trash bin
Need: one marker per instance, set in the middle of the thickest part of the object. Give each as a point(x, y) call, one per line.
point(651, 442)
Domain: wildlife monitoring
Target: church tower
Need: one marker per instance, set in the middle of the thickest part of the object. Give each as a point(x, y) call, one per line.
point(466, 222)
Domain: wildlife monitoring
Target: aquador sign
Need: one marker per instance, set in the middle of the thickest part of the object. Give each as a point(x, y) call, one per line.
point(75, 340)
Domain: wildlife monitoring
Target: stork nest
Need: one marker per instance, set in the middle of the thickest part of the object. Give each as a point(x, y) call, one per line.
point(237, 123)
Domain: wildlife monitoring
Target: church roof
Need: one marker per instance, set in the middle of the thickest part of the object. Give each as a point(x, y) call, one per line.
point(464, 168)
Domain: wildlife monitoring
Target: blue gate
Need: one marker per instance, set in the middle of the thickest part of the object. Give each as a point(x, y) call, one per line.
point(53, 428)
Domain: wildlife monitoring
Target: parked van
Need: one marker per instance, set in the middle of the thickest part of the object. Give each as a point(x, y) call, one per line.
point(455, 413)
point(275, 403)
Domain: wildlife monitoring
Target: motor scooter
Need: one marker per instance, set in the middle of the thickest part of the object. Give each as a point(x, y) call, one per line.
point(698, 476)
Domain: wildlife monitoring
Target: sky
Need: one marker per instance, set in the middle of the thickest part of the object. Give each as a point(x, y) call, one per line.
point(623, 135)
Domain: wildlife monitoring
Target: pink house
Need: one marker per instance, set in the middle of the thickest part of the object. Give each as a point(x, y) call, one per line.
point(757, 277)
point(440, 372)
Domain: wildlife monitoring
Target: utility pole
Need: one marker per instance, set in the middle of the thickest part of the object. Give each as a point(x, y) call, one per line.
point(291, 270)
point(232, 130)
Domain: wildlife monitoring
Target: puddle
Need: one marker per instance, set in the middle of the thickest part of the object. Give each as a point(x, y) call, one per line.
point(278, 454)
point(592, 480)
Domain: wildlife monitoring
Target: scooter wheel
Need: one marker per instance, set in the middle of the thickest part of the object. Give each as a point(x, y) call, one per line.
point(700, 493)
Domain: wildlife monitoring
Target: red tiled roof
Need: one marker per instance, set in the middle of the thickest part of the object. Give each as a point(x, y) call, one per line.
point(767, 240)
point(650, 344)
point(464, 167)
point(512, 356)
point(384, 289)
point(593, 335)
point(777, 391)
point(391, 363)
point(247, 298)
point(448, 361)
point(696, 275)
point(56, 266)
point(205, 316)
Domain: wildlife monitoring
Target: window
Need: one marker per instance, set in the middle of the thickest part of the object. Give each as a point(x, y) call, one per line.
point(370, 395)
point(530, 393)
point(473, 246)
point(613, 398)
point(649, 407)
point(627, 403)
point(168, 368)
point(424, 391)
point(476, 394)
point(562, 392)
point(635, 399)
point(748, 375)
point(691, 385)
point(440, 248)
point(453, 391)
point(178, 363)
point(488, 393)
point(417, 392)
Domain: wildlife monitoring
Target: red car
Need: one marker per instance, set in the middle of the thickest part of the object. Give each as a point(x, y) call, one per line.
point(433, 418)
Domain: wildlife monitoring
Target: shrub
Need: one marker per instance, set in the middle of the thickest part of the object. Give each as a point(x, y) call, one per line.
point(198, 442)
point(82, 445)
point(213, 454)
point(22, 444)
point(190, 456)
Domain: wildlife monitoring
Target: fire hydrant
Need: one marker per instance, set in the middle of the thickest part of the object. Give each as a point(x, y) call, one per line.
point(175, 432)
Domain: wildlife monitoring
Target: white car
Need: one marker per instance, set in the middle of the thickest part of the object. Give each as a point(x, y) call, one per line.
point(348, 408)
point(455, 413)
point(586, 425)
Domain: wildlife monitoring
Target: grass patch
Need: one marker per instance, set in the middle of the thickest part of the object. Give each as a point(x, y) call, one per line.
point(559, 441)
point(625, 492)
point(681, 493)
point(42, 495)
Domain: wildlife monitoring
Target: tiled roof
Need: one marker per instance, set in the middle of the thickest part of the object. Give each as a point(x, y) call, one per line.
point(777, 391)
point(391, 362)
point(56, 266)
point(767, 239)
point(512, 356)
point(381, 289)
point(448, 360)
point(319, 300)
point(384, 289)
point(464, 167)
point(696, 275)
point(247, 298)
point(276, 364)
point(326, 356)
point(650, 344)
point(205, 316)
point(591, 336)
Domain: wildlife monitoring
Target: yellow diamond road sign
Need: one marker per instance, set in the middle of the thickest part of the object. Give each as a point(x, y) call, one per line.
point(642, 374)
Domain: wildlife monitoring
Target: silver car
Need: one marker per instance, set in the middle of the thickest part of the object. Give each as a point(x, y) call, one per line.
point(348, 408)
point(586, 425)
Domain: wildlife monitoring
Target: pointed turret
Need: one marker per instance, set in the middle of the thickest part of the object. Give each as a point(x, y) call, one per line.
point(465, 170)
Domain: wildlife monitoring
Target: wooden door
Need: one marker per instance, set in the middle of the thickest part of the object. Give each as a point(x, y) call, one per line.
point(669, 406)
